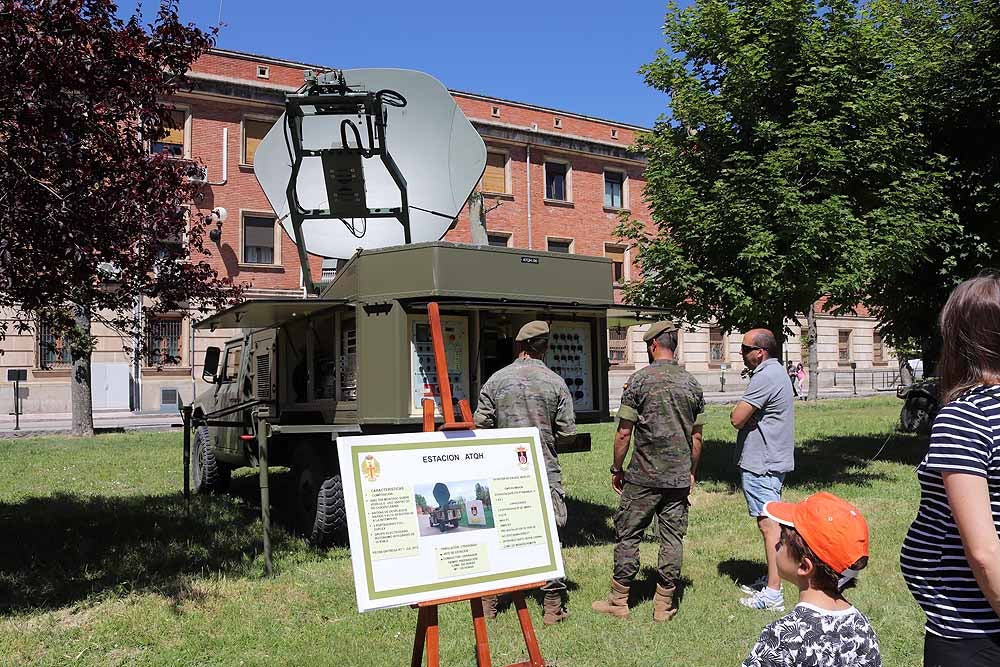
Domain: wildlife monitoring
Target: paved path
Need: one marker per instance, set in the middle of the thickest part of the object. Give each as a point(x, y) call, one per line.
point(55, 422)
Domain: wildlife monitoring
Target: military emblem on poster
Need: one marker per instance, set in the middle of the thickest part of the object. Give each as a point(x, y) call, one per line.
point(522, 458)
point(370, 468)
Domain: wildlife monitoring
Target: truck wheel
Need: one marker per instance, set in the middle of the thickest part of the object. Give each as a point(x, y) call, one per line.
point(207, 474)
point(319, 498)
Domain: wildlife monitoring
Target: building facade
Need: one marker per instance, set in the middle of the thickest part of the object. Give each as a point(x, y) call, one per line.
point(555, 180)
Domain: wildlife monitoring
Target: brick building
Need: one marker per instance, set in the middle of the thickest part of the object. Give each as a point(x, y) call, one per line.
point(555, 180)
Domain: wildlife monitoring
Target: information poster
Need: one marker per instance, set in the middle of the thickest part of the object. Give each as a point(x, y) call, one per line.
point(435, 515)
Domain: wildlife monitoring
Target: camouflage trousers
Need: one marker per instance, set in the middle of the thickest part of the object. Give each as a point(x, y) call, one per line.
point(638, 507)
point(559, 509)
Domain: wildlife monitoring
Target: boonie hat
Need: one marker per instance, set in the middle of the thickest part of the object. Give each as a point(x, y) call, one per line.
point(660, 327)
point(532, 329)
point(833, 528)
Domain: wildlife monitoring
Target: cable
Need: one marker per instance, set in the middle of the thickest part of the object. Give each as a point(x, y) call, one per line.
point(880, 449)
point(390, 97)
point(425, 210)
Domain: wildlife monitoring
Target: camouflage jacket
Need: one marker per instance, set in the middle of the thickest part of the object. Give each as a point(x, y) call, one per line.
point(663, 401)
point(527, 393)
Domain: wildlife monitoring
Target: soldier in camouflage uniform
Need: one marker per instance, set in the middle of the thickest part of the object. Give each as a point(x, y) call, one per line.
point(660, 404)
point(527, 393)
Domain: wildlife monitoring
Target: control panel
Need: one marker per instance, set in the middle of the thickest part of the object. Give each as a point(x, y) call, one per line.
point(569, 356)
point(423, 374)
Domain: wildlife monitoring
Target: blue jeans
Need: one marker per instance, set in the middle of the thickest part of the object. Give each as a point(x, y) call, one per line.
point(761, 489)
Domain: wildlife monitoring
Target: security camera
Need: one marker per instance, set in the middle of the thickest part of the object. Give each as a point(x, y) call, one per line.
point(218, 215)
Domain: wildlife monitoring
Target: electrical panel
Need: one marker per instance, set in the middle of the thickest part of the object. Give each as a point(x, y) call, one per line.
point(423, 373)
point(570, 357)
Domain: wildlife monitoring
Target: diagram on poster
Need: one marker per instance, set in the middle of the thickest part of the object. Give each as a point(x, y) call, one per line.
point(434, 515)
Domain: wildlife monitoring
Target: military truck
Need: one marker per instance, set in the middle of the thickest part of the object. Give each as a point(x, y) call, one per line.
point(359, 359)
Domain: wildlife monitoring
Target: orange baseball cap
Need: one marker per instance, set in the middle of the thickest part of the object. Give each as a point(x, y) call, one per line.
point(832, 527)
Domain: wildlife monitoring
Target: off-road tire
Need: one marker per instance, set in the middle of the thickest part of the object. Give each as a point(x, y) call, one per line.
point(207, 474)
point(319, 496)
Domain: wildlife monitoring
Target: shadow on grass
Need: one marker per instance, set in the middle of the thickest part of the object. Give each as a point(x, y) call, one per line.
point(587, 524)
point(822, 462)
point(742, 571)
point(64, 548)
point(644, 586)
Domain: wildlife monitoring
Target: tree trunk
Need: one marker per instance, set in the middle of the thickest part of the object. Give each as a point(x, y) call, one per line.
point(82, 402)
point(477, 220)
point(813, 364)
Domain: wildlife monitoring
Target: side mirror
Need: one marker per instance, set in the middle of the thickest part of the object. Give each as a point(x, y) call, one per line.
point(211, 364)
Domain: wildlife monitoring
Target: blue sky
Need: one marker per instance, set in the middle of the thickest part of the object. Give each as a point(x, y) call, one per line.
point(577, 56)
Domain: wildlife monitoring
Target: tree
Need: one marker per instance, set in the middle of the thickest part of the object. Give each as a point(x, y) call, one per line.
point(421, 503)
point(952, 50)
point(792, 159)
point(90, 219)
point(482, 493)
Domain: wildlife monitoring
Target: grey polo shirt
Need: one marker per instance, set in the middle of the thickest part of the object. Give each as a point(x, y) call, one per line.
point(767, 443)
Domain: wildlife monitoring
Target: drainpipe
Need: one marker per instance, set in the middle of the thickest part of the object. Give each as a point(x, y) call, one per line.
point(225, 158)
point(527, 166)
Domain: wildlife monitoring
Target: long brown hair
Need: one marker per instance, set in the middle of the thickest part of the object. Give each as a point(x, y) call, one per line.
point(970, 329)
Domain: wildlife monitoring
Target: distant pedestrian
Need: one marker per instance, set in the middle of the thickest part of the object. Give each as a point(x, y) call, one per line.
point(800, 379)
point(823, 546)
point(660, 407)
point(792, 378)
point(951, 555)
point(765, 420)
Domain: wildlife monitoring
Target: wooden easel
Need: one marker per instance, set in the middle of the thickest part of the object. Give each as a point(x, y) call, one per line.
point(427, 615)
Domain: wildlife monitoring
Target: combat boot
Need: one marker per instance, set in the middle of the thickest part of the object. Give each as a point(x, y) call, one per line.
point(663, 603)
point(490, 605)
point(617, 603)
point(553, 608)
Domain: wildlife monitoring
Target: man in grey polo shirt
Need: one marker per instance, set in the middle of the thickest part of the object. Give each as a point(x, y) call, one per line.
point(765, 420)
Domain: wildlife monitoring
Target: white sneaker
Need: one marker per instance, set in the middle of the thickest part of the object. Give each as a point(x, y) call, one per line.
point(757, 586)
point(765, 600)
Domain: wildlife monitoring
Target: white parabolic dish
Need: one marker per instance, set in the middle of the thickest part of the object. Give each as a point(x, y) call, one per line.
point(439, 152)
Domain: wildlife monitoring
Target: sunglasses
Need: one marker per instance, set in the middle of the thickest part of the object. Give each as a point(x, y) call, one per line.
point(747, 349)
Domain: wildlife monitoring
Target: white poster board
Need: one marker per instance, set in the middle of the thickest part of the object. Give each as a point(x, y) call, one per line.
point(412, 540)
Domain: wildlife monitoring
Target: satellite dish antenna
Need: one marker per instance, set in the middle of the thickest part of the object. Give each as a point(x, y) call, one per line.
point(368, 158)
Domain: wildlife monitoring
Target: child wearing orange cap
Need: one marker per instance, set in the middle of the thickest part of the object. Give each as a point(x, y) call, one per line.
point(823, 546)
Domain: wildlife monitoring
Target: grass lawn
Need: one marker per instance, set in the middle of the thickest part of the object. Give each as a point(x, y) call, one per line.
point(100, 566)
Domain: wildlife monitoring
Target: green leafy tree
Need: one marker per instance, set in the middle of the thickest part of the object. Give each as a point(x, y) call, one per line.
point(421, 502)
point(951, 49)
point(791, 160)
point(482, 493)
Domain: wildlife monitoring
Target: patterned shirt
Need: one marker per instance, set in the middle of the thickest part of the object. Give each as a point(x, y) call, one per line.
point(814, 637)
point(663, 401)
point(965, 439)
point(527, 393)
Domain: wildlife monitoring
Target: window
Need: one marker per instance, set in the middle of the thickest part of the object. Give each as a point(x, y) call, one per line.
point(172, 143)
point(613, 189)
point(263, 72)
point(329, 271)
point(878, 349)
point(495, 176)
point(231, 364)
point(560, 245)
point(495, 112)
point(258, 240)
point(614, 133)
point(498, 239)
point(716, 346)
point(53, 351)
point(616, 254)
point(253, 133)
point(557, 123)
point(556, 181)
point(163, 342)
point(617, 345)
point(844, 346)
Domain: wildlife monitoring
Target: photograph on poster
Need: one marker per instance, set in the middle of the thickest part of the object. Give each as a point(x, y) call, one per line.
point(453, 507)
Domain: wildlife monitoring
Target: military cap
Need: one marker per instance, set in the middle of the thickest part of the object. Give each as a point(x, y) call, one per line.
point(532, 329)
point(658, 328)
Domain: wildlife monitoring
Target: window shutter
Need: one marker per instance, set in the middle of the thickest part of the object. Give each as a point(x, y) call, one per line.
point(495, 178)
point(253, 134)
point(175, 135)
